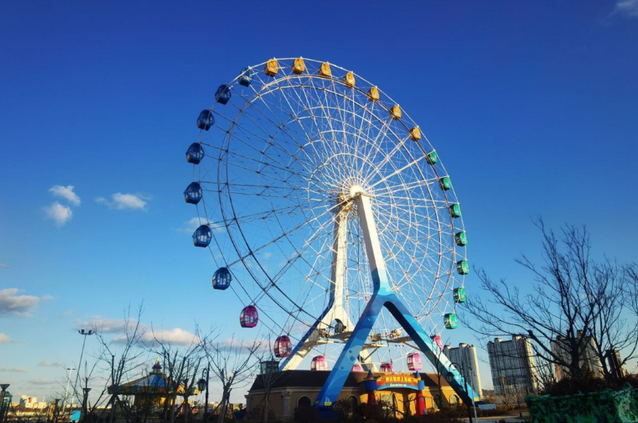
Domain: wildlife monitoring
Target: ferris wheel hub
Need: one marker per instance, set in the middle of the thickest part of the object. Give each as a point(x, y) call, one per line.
point(356, 191)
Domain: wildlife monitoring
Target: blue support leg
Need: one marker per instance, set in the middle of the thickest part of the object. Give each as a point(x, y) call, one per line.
point(343, 366)
point(384, 298)
point(428, 347)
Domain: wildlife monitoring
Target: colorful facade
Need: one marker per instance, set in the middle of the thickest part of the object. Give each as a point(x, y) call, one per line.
point(284, 392)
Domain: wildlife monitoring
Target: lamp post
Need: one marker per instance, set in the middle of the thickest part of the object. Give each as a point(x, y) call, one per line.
point(84, 333)
point(3, 412)
point(202, 385)
point(469, 411)
point(66, 391)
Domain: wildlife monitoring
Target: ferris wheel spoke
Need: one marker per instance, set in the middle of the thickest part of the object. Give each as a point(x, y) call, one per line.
point(300, 253)
point(287, 233)
point(311, 110)
point(273, 282)
point(313, 272)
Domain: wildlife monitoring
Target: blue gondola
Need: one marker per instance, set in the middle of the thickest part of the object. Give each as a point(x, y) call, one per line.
point(246, 77)
point(193, 193)
point(195, 153)
point(223, 94)
point(205, 120)
point(222, 278)
point(202, 236)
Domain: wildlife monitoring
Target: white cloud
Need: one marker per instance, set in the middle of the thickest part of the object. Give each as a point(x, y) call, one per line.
point(58, 213)
point(66, 193)
point(628, 8)
point(13, 369)
point(104, 325)
point(194, 223)
point(4, 338)
point(18, 305)
point(47, 363)
point(121, 201)
point(242, 347)
point(42, 381)
point(170, 336)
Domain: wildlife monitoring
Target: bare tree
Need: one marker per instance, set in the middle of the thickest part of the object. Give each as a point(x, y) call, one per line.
point(581, 302)
point(181, 365)
point(233, 363)
point(123, 362)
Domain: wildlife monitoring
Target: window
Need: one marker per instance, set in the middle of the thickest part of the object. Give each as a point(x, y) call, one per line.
point(304, 402)
point(437, 401)
point(454, 399)
point(352, 402)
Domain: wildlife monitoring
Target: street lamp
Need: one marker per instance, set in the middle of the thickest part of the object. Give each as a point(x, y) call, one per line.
point(84, 333)
point(66, 391)
point(3, 412)
point(469, 412)
point(202, 385)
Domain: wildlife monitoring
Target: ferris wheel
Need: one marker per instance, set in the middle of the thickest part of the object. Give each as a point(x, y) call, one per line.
point(331, 217)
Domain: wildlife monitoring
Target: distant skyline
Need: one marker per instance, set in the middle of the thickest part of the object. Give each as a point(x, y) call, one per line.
point(531, 106)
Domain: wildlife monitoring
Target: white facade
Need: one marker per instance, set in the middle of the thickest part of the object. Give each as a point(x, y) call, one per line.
point(27, 401)
point(465, 356)
point(512, 365)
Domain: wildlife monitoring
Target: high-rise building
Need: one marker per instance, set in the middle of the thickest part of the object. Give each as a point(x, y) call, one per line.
point(588, 358)
point(465, 356)
point(614, 360)
point(512, 365)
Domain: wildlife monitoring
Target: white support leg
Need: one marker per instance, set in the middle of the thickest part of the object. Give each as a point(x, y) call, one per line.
point(337, 310)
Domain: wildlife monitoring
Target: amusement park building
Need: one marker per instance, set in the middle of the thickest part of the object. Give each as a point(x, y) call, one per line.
point(512, 365)
point(465, 356)
point(294, 389)
point(154, 389)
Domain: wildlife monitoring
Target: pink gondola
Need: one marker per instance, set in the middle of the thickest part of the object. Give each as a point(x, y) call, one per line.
point(387, 367)
point(319, 363)
point(283, 346)
point(357, 367)
point(249, 317)
point(438, 341)
point(414, 362)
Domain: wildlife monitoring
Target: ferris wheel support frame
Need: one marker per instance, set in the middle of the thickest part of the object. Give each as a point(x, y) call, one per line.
point(335, 309)
point(384, 296)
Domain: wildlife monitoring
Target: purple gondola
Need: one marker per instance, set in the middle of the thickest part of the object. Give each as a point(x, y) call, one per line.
point(249, 317)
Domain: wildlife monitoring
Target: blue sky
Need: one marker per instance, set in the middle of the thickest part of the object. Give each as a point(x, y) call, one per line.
point(531, 105)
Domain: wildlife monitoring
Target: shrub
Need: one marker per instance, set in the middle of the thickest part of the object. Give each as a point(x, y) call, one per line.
point(588, 383)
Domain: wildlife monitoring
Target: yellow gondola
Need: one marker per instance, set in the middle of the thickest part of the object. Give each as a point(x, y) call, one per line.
point(415, 133)
point(349, 80)
point(373, 94)
point(272, 67)
point(325, 71)
point(395, 112)
point(298, 66)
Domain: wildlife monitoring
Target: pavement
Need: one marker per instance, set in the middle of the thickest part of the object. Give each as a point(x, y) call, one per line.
point(498, 419)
